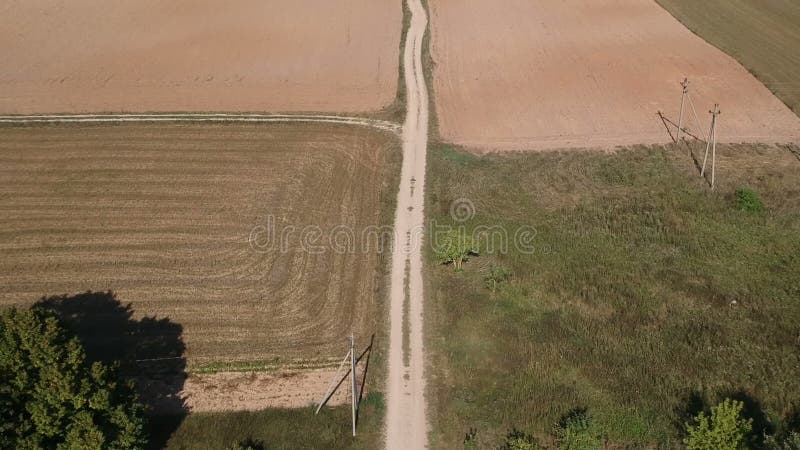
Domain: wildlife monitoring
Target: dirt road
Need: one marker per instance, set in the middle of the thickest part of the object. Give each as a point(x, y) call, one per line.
point(406, 426)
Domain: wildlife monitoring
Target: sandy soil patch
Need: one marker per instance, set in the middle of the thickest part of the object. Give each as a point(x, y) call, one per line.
point(533, 74)
point(190, 55)
point(246, 391)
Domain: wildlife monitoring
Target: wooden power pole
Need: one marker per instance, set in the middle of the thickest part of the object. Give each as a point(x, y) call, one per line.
point(353, 377)
point(712, 143)
point(685, 85)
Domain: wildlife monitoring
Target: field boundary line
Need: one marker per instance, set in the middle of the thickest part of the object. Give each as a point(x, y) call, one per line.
point(384, 125)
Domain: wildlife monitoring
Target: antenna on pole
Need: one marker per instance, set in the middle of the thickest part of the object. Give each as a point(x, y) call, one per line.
point(712, 143)
point(685, 86)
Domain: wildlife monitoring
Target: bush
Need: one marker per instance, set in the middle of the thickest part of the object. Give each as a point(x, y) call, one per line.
point(576, 431)
point(725, 429)
point(50, 397)
point(748, 200)
point(517, 440)
point(454, 246)
point(495, 277)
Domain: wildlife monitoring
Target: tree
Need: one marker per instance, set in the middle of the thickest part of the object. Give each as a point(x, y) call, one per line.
point(51, 398)
point(725, 429)
point(454, 246)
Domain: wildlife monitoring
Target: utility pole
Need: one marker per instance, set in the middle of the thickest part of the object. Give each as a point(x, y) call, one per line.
point(353, 377)
point(332, 388)
point(712, 143)
point(685, 85)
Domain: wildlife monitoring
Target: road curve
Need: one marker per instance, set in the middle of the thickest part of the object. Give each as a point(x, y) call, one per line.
point(406, 424)
point(202, 117)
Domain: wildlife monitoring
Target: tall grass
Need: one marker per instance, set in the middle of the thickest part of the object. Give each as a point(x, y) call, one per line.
point(274, 429)
point(645, 289)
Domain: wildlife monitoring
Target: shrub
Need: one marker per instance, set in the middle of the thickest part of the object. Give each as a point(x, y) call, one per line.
point(748, 200)
point(454, 246)
point(517, 440)
point(577, 431)
point(50, 397)
point(495, 277)
point(724, 429)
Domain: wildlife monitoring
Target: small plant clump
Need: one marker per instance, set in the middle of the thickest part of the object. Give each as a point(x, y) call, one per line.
point(495, 277)
point(517, 440)
point(748, 200)
point(724, 429)
point(577, 431)
point(471, 440)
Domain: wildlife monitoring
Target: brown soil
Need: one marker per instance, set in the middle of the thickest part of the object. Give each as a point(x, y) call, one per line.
point(536, 74)
point(162, 215)
point(198, 55)
point(246, 391)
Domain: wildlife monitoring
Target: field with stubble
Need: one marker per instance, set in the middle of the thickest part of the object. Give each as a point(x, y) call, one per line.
point(163, 215)
point(198, 55)
point(530, 75)
point(763, 35)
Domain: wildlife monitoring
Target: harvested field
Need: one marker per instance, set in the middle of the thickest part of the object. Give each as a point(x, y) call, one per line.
point(763, 35)
point(163, 214)
point(538, 74)
point(206, 55)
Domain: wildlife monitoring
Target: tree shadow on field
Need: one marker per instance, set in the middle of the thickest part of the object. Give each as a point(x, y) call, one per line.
point(762, 425)
point(149, 351)
point(690, 406)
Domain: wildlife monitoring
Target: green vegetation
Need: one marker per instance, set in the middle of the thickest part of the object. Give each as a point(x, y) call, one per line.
point(277, 429)
point(748, 200)
point(454, 246)
point(496, 277)
point(641, 289)
point(724, 429)
point(517, 440)
point(761, 34)
point(577, 431)
point(50, 397)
